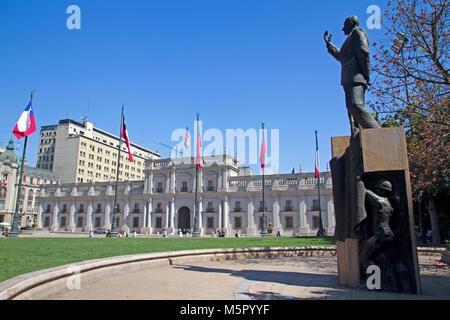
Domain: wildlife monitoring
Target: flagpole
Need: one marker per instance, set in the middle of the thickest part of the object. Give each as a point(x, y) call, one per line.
point(15, 223)
point(321, 231)
point(264, 224)
point(114, 231)
point(196, 232)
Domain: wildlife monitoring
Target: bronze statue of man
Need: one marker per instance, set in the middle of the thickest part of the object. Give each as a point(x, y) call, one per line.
point(355, 74)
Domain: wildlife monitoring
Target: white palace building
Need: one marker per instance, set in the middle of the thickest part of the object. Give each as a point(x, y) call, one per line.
point(229, 197)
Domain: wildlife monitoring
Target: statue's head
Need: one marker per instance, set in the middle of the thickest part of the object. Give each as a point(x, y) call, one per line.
point(384, 186)
point(350, 24)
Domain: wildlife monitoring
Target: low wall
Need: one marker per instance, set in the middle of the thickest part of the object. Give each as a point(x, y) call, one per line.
point(48, 282)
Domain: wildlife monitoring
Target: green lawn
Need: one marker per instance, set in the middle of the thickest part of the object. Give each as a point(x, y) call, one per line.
point(23, 255)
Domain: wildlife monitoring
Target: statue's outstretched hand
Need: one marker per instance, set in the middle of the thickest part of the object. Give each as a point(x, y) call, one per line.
point(327, 37)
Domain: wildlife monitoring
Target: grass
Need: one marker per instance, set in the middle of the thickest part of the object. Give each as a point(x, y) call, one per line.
point(23, 255)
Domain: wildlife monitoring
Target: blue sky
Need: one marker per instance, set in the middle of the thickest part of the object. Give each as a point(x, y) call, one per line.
point(236, 62)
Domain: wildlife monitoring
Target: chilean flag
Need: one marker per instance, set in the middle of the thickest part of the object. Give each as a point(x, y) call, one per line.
point(317, 160)
point(124, 135)
point(186, 139)
point(26, 124)
point(262, 155)
point(199, 146)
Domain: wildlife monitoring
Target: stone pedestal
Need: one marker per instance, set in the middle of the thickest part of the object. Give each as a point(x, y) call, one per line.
point(358, 166)
point(146, 230)
point(251, 232)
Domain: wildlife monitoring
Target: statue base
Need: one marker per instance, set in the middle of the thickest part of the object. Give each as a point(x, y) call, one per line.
point(359, 164)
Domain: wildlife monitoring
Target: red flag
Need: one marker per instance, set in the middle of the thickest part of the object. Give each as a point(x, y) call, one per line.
point(124, 134)
point(25, 125)
point(262, 155)
point(199, 145)
point(186, 139)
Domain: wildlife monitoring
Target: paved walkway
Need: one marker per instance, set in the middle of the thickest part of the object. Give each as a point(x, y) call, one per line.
point(253, 279)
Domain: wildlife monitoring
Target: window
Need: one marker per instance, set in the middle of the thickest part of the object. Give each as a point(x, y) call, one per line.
point(210, 222)
point(64, 209)
point(135, 222)
point(81, 210)
point(289, 222)
point(210, 207)
point(97, 222)
point(210, 186)
point(184, 187)
point(237, 206)
point(136, 208)
point(158, 222)
point(160, 187)
point(99, 208)
point(261, 206)
point(237, 222)
point(316, 222)
point(288, 206)
point(63, 222)
point(159, 207)
point(46, 222)
point(79, 222)
point(118, 208)
point(315, 205)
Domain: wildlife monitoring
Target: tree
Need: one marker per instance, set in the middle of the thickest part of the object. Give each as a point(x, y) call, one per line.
point(411, 88)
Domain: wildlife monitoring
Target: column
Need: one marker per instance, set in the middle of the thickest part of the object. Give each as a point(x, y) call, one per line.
point(55, 218)
point(276, 216)
point(219, 220)
point(88, 224)
point(226, 216)
point(39, 216)
point(172, 216)
point(166, 220)
point(172, 182)
point(200, 180)
point(149, 216)
point(126, 213)
point(224, 180)
point(331, 220)
point(303, 229)
point(200, 215)
point(251, 230)
point(167, 182)
point(107, 216)
point(142, 228)
point(71, 224)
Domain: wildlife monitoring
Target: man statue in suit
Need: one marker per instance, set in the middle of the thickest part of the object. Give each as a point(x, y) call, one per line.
point(355, 73)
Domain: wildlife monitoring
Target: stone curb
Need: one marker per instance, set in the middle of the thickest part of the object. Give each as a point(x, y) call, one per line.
point(46, 282)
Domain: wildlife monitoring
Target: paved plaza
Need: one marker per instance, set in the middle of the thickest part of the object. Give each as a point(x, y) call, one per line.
point(252, 279)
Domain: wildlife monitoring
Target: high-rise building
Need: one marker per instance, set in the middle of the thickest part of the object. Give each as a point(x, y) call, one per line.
point(78, 152)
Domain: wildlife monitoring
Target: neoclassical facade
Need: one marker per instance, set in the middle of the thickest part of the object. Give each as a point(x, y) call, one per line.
point(229, 197)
